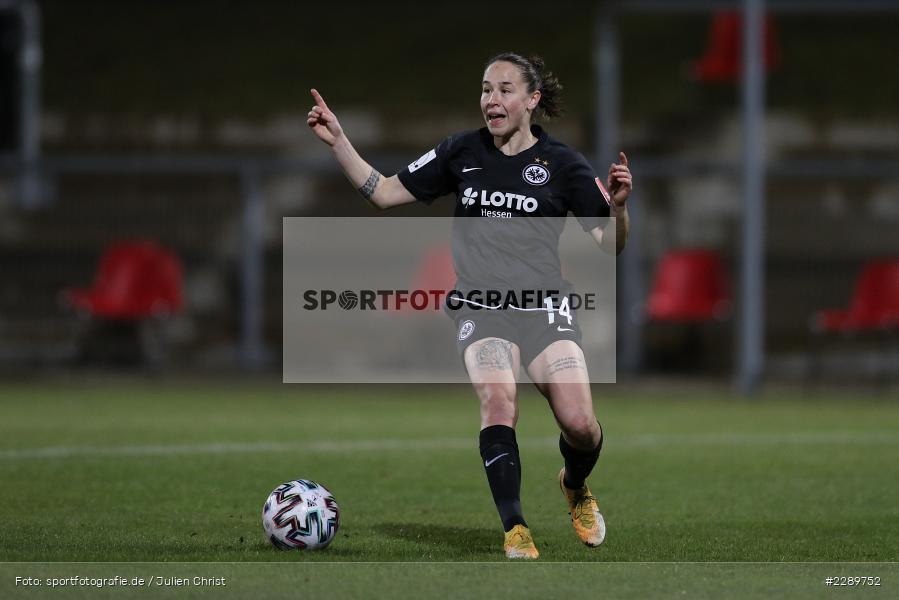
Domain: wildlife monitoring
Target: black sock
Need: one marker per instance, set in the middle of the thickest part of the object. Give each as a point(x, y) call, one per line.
point(499, 451)
point(578, 463)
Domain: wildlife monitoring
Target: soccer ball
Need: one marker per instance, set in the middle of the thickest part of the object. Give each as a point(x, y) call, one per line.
point(300, 515)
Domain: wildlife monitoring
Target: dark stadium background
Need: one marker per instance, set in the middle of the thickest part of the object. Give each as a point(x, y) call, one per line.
point(188, 81)
point(162, 120)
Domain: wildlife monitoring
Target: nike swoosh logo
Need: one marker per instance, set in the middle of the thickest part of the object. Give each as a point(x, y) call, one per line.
point(560, 328)
point(487, 463)
point(467, 169)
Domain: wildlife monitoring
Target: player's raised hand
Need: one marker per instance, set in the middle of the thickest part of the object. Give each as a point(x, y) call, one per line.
point(620, 182)
point(323, 122)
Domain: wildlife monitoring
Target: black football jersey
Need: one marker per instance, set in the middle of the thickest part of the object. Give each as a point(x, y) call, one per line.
point(500, 240)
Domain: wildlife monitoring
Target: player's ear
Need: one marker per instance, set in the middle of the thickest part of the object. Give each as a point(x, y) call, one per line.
point(534, 102)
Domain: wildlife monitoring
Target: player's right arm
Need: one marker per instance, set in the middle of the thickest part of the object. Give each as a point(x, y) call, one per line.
point(381, 192)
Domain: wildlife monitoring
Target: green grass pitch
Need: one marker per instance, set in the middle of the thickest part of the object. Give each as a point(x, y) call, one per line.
point(147, 470)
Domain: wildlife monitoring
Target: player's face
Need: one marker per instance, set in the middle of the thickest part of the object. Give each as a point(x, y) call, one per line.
point(505, 101)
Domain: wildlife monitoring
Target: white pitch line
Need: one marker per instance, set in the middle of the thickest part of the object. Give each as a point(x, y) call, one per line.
point(649, 440)
point(324, 446)
point(787, 438)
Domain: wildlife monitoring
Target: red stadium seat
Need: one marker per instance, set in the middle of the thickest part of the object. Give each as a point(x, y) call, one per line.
point(689, 286)
point(435, 272)
point(722, 61)
point(135, 280)
point(874, 304)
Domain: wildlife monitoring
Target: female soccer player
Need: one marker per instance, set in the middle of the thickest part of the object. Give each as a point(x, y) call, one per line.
point(502, 173)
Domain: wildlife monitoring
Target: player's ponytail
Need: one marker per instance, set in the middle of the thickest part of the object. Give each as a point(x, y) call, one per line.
point(534, 72)
point(550, 90)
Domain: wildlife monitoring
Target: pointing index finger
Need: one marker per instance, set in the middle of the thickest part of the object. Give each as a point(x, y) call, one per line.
point(623, 158)
point(318, 99)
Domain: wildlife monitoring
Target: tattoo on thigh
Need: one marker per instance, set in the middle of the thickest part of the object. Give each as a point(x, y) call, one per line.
point(569, 362)
point(495, 355)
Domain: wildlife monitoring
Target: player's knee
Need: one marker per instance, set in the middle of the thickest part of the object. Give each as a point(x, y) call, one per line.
point(582, 430)
point(497, 394)
point(497, 403)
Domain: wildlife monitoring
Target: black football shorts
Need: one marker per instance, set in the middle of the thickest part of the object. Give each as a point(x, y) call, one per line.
point(532, 331)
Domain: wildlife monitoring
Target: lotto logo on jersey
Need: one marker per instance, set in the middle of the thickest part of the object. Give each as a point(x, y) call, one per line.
point(499, 200)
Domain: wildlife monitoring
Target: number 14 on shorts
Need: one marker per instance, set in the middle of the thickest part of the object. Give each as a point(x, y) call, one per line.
point(564, 310)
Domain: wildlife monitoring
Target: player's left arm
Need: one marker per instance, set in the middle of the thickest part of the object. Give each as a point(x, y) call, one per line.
point(620, 184)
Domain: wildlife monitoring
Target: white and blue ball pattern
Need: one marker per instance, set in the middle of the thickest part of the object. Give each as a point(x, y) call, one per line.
point(300, 515)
